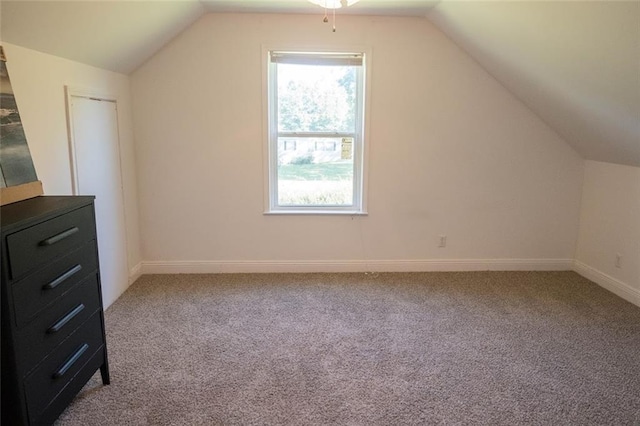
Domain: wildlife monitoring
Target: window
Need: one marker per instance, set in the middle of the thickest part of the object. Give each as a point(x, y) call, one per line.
point(316, 121)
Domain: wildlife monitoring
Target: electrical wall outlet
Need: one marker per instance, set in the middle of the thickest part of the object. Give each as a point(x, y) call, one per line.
point(443, 241)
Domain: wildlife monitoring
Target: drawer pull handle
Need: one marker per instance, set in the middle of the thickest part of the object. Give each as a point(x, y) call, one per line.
point(61, 236)
point(62, 278)
point(70, 361)
point(64, 320)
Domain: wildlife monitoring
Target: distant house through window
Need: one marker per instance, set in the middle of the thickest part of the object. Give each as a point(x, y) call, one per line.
point(316, 122)
point(326, 146)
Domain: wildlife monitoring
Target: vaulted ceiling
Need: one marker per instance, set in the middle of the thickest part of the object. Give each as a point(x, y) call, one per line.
point(576, 64)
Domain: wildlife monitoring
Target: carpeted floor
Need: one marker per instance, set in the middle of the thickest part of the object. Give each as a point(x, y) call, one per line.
point(489, 348)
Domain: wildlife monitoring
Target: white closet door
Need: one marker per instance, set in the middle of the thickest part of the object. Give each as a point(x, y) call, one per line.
point(97, 172)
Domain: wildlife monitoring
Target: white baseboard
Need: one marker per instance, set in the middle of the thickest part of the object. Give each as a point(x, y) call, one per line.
point(135, 273)
point(603, 280)
point(216, 267)
point(430, 265)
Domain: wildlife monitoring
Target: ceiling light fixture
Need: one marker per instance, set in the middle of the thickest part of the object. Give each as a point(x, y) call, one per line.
point(333, 5)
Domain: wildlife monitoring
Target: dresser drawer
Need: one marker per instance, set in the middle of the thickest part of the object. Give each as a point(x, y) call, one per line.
point(52, 320)
point(56, 322)
point(41, 243)
point(43, 287)
point(57, 370)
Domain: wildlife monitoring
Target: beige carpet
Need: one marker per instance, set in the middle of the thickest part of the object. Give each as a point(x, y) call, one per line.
point(490, 348)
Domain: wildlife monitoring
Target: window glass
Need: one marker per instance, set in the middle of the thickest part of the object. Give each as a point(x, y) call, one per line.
point(316, 139)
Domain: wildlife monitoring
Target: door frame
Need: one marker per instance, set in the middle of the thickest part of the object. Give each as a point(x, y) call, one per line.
point(80, 92)
point(92, 94)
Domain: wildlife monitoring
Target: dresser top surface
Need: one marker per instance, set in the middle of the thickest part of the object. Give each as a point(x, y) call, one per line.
point(38, 209)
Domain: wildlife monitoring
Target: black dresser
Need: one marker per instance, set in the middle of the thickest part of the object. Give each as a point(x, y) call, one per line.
point(53, 337)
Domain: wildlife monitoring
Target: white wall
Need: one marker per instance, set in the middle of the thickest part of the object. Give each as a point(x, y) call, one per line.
point(451, 152)
point(610, 225)
point(39, 83)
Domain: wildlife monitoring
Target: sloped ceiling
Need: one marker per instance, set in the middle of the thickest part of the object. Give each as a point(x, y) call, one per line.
point(109, 34)
point(120, 35)
point(576, 64)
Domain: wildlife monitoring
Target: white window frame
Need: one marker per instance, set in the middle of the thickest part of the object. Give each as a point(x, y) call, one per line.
point(360, 151)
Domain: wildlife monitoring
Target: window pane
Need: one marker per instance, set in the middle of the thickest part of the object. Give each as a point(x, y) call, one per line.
point(316, 98)
point(316, 172)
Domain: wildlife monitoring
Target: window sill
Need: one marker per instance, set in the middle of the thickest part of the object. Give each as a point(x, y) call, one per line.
point(316, 212)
